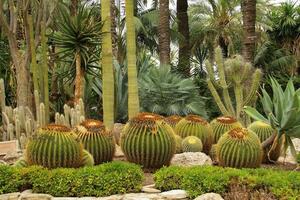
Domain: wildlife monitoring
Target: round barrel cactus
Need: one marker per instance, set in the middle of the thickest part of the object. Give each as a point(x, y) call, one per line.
point(193, 125)
point(213, 153)
point(148, 140)
point(21, 162)
point(173, 120)
point(264, 131)
point(87, 159)
point(178, 140)
point(54, 146)
point(191, 144)
point(239, 148)
point(96, 140)
point(221, 125)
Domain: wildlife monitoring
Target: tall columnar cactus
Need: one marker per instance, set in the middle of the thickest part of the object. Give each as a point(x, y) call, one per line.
point(221, 125)
point(148, 140)
point(233, 75)
point(173, 120)
point(239, 148)
point(96, 140)
point(264, 131)
point(192, 144)
point(193, 125)
point(54, 146)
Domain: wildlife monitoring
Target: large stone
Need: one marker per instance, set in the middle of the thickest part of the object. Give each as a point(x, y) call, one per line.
point(191, 159)
point(119, 153)
point(8, 147)
point(141, 196)
point(10, 196)
point(33, 196)
point(289, 158)
point(113, 197)
point(117, 131)
point(209, 196)
point(174, 194)
point(150, 189)
point(65, 198)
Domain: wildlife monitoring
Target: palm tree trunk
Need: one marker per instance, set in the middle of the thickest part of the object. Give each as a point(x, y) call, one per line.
point(164, 32)
point(78, 79)
point(73, 7)
point(107, 67)
point(114, 36)
point(184, 43)
point(249, 18)
point(133, 97)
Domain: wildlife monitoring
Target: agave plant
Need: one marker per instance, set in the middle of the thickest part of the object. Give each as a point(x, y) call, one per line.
point(282, 112)
point(166, 93)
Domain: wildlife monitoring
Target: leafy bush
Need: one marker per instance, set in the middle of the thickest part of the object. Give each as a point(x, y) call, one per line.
point(200, 180)
point(101, 180)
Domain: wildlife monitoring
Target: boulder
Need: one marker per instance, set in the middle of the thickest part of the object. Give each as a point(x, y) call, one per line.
point(33, 196)
point(289, 158)
point(117, 131)
point(191, 159)
point(10, 196)
point(141, 196)
point(174, 194)
point(209, 196)
point(150, 189)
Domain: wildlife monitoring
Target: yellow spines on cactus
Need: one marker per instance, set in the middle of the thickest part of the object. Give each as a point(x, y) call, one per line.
point(221, 125)
point(192, 144)
point(54, 146)
point(96, 140)
point(239, 148)
point(193, 125)
point(264, 131)
point(148, 140)
point(173, 120)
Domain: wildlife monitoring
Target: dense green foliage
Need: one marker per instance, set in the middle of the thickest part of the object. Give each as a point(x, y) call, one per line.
point(148, 140)
point(205, 179)
point(103, 180)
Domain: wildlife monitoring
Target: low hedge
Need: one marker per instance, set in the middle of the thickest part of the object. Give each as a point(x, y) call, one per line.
point(200, 180)
point(103, 180)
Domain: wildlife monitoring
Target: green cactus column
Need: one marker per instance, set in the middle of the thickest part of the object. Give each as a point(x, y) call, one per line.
point(148, 140)
point(96, 140)
point(239, 148)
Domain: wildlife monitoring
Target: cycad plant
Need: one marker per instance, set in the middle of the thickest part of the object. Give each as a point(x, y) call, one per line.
point(167, 93)
point(282, 112)
point(78, 39)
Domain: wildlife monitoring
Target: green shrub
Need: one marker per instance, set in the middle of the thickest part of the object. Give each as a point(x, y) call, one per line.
point(200, 180)
point(102, 180)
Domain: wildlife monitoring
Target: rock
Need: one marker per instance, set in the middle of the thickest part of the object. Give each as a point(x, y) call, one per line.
point(141, 196)
point(191, 159)
point(2, 162)
point(289, 158)
point(65, 198)
point(10, 196)
point(32, 196)
point(27, 192)
point(174, 194)
point(209, 196)
point(119, 152)
point(117, 131)
point(113, 197)
point(150, 189)
point(11, 157)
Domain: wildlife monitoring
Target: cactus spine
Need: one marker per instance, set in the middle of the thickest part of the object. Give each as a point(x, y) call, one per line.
point(239, 148)
point(191, 144)
point(221, 125)
point(173, 120)
point(54, 146)
point(264, 131)
point(193, 125)
point(96, 140)
point(237, 75)
point(148, 140)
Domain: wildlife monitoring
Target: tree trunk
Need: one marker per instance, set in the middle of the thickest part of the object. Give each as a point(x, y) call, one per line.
point(249, 17)
point(114, 36)
point(184, 43)
point(73, 7)
point(78, 79)
point(107, 67)
point(164, 32)
point(133, 97)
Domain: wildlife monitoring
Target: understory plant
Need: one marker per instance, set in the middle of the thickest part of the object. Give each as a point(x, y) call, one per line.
point(166, 93)
point(282, 112)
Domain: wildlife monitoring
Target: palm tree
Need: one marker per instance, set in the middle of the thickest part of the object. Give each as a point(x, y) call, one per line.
point(164, 32)
point(133, 98)
point(249, 18)
point(184, 42)
point(107, 67)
